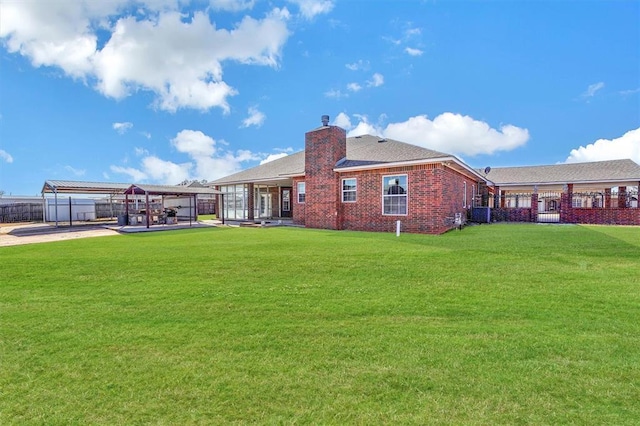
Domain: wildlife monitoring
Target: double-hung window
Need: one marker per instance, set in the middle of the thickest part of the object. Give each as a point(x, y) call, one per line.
point(302, 192)
point(349, 187)
point(394, 195)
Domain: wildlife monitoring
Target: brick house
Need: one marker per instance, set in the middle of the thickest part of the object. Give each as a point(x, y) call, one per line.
point(359, 183)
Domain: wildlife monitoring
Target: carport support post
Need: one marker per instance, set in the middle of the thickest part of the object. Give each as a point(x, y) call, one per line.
point(70, 212)
point(221, 207)
point(44, 209)
point(55, 198)
point(146, 194)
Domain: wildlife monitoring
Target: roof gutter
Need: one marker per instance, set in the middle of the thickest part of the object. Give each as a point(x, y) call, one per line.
point(445, 161)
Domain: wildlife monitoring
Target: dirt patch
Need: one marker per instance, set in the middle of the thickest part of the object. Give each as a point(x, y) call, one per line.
point(17, 234)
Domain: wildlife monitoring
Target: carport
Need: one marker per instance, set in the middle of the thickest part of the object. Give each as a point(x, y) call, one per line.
point(167, 192)
point(56, 187)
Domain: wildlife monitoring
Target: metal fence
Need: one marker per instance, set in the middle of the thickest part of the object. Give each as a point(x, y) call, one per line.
point(21, 212)
point(516, 200)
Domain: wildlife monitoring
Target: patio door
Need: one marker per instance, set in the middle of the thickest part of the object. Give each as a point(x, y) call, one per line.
point(264, 207)
point(285, 202)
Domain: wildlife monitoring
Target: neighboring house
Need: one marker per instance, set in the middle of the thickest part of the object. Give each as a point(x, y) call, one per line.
point(600, 192)
point(358, 183)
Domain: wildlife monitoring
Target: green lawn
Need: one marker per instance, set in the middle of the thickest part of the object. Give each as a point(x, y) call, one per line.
point(495, 324)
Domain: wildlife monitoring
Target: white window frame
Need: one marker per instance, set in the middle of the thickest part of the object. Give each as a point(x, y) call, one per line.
point(390, 197)
point(353, 191)
point(303, 193)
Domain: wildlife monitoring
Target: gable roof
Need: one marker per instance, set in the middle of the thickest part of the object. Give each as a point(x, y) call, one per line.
point(612, 171)
point(361, 151)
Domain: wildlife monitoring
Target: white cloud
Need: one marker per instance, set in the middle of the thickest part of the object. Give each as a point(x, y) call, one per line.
point(255, 118)
point(146, 49)
point(74, 171)
point(626, 146)
point(194, 143)
point(354, 87)
point(592, 89)
point(140, 152)
point(165, 172)
point(273, 157)
point(232, 5)
point(413, 52)
point(376, 80)
point(412, 32)
point(4, 155)
point(448, 132)
point(358, 65)
point(208, 159)
point(311, 8)
point(342, 120)
point(629, 92)
point(336, 94)
point(135, 174)
point(122, 128)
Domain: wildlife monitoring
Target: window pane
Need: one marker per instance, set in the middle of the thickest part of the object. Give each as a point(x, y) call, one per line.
point(349, 190)
point(395, 184)
point(349, 196)
point(394, 195)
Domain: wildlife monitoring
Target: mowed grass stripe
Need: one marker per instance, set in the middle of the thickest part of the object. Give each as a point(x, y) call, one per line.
point(495, 324)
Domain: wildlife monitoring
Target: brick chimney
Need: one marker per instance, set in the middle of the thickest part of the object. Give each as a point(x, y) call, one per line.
point(324, 147)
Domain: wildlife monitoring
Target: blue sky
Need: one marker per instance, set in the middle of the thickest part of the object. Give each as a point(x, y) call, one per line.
point(160, 91)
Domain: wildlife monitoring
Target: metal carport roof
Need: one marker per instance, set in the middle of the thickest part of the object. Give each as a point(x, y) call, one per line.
point(168, 190)
point(80, 187)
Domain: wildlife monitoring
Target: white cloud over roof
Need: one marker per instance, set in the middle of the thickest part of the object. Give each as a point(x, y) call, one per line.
point(448, 132)
point(626, 146)
point(207, 159)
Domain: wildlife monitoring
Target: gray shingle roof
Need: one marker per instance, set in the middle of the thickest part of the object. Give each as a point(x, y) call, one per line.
point(597, 171)
point(291, 165)
point(361, 150)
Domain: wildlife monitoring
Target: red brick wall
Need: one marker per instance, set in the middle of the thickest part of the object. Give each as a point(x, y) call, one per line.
point(324, 147)
point(519, 214)
point(613, 216)
point(298, 208)
point(435, 194)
